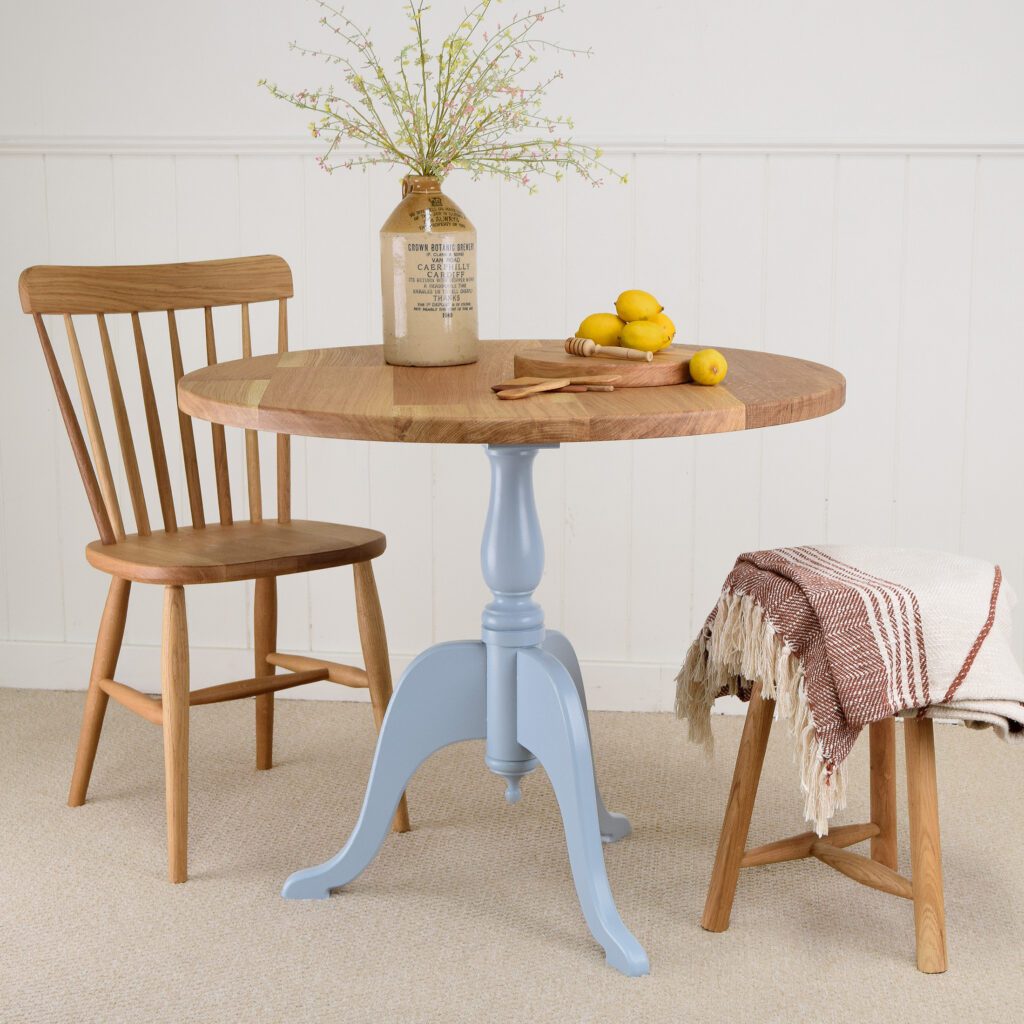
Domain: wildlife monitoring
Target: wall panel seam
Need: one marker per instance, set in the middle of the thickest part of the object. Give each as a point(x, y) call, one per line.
point(269, 145)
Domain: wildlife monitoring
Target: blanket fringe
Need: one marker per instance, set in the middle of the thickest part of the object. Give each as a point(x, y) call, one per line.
point(741, 647)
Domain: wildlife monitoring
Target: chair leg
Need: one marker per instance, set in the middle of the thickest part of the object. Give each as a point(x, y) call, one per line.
point(175, 680)
point(925, 850)
point(733, 840)
point(265, 642)
point(374, 642)
point(882, 740)
point(104, 662)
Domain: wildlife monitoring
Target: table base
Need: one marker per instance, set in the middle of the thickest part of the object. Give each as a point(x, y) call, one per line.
point(520, 688)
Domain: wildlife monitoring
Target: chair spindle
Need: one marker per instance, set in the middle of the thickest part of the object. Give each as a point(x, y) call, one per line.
point(188, 439)
point(101, 462)
point(220, 451)
point(67, 412)
point(252, 437)
point(156, 437)
point(124, 433)
point(284, 451)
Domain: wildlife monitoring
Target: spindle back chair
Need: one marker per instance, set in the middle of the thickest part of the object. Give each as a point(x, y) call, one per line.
point(177, 555)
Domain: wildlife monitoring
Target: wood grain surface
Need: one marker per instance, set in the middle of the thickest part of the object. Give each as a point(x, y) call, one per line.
point(243, 551)
point(156, 287)
point(352, 393)
point(549, 359)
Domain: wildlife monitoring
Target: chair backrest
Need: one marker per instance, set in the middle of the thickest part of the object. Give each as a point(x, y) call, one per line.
point(160, 288)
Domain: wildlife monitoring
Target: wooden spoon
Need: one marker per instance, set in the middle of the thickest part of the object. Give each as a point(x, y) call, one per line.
point(522, 382)
point(535, 389)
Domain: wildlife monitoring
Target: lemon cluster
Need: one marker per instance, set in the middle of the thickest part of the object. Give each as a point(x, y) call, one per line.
point(638, 322)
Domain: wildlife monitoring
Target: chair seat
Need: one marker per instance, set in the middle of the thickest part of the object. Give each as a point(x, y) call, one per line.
point(243, 551)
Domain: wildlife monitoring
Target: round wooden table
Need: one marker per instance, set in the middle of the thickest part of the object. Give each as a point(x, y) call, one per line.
point(350, 392)
point(519, 686)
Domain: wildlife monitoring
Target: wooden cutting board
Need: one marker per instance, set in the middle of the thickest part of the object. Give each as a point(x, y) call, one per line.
point(549, 359)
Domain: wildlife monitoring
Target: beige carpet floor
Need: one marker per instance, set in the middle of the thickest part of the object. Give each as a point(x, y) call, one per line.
point(472, 916)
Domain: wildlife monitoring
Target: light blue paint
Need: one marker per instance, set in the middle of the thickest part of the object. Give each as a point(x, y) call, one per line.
point(521, 690)
point(613, 826)
point(553, 724)
point(442, 703)
point(512, 561)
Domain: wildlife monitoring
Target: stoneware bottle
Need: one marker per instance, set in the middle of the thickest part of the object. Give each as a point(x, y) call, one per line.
point(428, 279)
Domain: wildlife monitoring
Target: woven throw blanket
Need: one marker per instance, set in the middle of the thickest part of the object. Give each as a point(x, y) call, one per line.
point(844, 636)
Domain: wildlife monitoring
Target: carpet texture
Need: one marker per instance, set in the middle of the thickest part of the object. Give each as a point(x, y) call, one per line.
point(472, 916)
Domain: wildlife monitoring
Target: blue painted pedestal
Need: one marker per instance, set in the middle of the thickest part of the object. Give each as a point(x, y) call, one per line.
point(520, 688)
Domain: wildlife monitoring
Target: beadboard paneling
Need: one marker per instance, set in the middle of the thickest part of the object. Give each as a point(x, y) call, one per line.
point(901, 268)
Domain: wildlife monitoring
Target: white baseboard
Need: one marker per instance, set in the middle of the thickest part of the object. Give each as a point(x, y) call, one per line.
point(611, 686)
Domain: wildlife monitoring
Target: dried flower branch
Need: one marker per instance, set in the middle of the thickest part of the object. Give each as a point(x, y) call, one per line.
point(462, 107)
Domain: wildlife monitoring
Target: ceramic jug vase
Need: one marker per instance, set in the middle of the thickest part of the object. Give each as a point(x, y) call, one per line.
point(428, 279)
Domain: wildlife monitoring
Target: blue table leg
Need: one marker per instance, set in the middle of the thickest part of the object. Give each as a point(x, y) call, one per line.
point(439, 701)
point(521, 689)
point(554, 726)
point(613, 826)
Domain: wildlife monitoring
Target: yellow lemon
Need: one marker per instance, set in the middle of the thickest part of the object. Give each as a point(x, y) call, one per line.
point(637, 305)
point(665, 322)
point(644, 335)
point(708, 366)
point(604, 328)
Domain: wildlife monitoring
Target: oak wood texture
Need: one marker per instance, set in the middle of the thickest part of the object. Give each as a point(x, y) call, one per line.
point(669, 366)
point(375, 653)
point(589, 348)
point(264, 633)
point(553, 384)
point(124, 435)
point(151, 708)
point(242, 551)
point(104, 662)
point(863, 869)
point(95, 432)
point(265, 685)
point(925, 849)
point(878, 871)
point(347, 675)
point(352, 393)
point(733, 840)
point(142, 704)
point(522, 382)
point(67, 414)
point(174, 687)
point(178, 554)
point(799, 846)
point(882, 742)
point(154, 288)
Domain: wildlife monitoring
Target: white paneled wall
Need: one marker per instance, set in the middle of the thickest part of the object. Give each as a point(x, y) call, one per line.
point(901, 267)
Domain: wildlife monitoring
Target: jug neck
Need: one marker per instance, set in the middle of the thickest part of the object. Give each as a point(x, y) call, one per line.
point(420, 184)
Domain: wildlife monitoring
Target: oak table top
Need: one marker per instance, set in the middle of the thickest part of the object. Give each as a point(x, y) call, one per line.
point(351, 393)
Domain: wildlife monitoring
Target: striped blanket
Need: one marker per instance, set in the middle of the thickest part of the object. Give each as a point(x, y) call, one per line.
point(844, 636)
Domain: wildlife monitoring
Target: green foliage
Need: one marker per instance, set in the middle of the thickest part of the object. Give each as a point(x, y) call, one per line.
point(462, 107)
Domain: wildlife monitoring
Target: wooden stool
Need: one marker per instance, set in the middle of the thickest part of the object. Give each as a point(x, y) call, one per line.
point(877, 871)
point(258, 549)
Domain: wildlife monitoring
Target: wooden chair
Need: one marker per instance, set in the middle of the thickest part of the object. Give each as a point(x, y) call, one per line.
point(259, 549)
point(877, 871)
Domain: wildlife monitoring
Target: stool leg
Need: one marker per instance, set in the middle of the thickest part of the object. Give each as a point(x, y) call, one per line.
point(174, 670)
point(265, 642)
point(374, 643)
point(882, 739)
point(925, 852)
point(733, 840)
